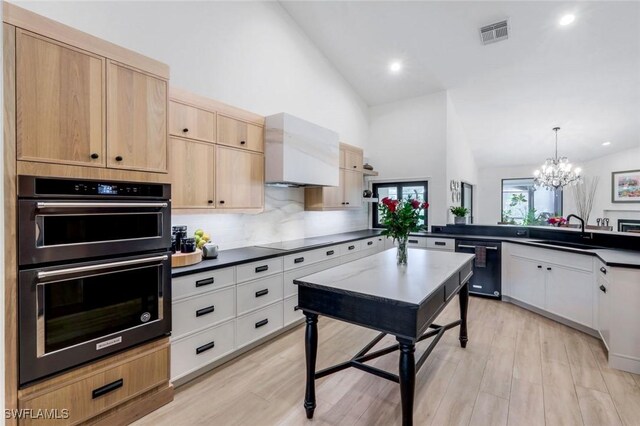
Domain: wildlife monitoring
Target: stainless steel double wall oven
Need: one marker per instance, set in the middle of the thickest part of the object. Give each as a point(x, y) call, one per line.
point(94, 270)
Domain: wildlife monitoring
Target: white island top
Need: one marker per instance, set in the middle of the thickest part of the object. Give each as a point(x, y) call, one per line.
point(379, 276)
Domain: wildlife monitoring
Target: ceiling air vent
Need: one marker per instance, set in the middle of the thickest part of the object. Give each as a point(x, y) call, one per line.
point(495, 32)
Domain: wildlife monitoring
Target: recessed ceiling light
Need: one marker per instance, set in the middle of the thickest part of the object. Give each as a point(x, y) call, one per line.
point(567, 19)
point(395, 67)
point(607, 143)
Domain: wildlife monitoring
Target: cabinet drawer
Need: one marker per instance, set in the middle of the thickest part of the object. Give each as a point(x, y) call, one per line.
point(305, 258)
point(349, 248)
point(239, 134)
point(255, 294)
point(201, 282)
point(371, 243)
point(291, 289)
point(203, 310)
point(92, 395)
point(255, 270)
point(190, 122)
point(258, 324)
point(291, 314)
point(200, 349)
point(419, 242)
point(441, 243)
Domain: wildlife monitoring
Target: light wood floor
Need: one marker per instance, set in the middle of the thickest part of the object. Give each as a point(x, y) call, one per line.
point(518, 369)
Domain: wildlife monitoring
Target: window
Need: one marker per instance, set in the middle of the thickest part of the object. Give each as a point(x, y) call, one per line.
point(398, 191)
point(523, 204)
point(466, 199)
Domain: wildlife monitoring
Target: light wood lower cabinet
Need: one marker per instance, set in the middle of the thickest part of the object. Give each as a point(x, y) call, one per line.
point(60, 104)
point(89, 395)
point(239, 179)
point(192, 177)
point(136, 119)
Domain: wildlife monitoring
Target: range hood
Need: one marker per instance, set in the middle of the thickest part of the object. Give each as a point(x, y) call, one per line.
point(299, 153)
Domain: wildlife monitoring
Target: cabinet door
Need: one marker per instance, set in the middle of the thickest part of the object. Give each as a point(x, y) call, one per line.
point(353, 160)
point(136, 120)
point(333, 196)
point(353, 188)
point(239, 179)
point(59, 103)
point(569, 293)
point(190, 122)
point(239, 134)
point(192, 176)
point(526, 281)
point(603, 292)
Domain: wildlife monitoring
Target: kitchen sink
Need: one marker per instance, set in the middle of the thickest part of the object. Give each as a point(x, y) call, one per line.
point(568, 245)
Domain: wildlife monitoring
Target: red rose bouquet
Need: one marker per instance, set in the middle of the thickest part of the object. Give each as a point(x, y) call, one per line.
point(557, 221)
point(401, 217)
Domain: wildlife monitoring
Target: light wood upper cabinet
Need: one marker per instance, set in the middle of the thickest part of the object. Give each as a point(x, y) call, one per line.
point(351, 157)
point(333, 196)
point(352, 188)
point(347, 195)
point(191, 122)
point(136, 120)
point(239, 178)
point(240, 134)
point(192, 177)
point(59, 102)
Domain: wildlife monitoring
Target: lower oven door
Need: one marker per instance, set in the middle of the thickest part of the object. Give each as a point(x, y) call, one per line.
point(76, 313)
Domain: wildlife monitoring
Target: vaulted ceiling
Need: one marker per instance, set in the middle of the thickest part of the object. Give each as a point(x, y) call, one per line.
point(583, 77)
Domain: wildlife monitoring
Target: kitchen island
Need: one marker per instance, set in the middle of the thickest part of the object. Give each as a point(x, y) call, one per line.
point(399, 300)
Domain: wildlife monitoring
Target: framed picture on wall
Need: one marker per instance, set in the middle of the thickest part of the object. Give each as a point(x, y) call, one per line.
point(625, 186)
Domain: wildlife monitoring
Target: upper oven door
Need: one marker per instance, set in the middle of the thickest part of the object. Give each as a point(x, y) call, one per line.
point(55, 230)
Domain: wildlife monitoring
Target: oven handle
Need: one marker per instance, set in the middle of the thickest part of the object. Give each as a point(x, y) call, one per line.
point(473, 247)
point(68, 271)
point(50, 205)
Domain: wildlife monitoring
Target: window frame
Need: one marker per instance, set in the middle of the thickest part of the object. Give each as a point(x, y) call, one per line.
point(558, 201)
point(398, 185)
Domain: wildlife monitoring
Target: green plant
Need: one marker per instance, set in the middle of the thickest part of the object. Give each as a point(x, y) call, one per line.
point(459, 211)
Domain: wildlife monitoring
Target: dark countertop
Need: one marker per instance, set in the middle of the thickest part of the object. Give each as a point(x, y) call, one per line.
point(226, 258)
point(242, 255)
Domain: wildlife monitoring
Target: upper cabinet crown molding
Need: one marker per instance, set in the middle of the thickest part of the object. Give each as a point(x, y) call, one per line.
point(25, 19)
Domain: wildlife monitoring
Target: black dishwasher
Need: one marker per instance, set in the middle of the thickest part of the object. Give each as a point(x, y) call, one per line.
point(487, 266)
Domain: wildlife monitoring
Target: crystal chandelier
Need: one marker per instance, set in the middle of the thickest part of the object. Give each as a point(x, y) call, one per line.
point(556, 172)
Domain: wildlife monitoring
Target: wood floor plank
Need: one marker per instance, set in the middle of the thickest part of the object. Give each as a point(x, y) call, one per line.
point(526, 405)
point(597, 408)
point(489, 410)
point(514, 371)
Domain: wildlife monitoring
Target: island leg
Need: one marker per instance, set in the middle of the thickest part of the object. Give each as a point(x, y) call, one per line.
point(463, 295)
point(311, 350)
point(407, 374)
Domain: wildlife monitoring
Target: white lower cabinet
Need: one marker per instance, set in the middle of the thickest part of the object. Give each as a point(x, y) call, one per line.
point(255, 294)
point(258, 324)
point(202, 311)
point(569, 293)
point(199, 349)
point(291, 314)
point(291, 289)
point(604, 290)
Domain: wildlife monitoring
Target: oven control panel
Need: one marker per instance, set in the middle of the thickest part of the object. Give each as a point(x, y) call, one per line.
point(95, 189)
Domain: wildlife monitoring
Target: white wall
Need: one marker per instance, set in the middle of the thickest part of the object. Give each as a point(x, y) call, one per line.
point(408, 141)
point(248, 54)
point(602, 206)
point(461, 164)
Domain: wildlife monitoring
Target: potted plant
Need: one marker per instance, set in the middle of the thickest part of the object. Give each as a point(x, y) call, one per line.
point(460, 214)
point(400, 217)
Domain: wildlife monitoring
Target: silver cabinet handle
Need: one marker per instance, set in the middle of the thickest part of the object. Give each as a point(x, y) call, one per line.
point(68, 271)
point(51, 205)
point(473, 247)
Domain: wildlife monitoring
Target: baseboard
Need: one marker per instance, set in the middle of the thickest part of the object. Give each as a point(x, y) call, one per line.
point(588, 330)
point(624, 362)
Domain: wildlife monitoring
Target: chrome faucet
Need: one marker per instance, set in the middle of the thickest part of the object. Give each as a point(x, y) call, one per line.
point(584, 235)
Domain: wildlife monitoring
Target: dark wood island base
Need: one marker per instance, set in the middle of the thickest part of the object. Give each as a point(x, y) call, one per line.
point(410, 322)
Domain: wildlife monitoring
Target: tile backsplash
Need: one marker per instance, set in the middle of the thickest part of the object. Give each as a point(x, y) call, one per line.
point(283, 219)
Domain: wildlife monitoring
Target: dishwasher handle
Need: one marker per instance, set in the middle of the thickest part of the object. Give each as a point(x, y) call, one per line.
point(474, 247)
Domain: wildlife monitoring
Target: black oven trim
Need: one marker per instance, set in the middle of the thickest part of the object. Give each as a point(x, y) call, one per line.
point(33, 368)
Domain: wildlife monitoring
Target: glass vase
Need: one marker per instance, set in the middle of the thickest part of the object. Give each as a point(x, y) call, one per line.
point(402, 250)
